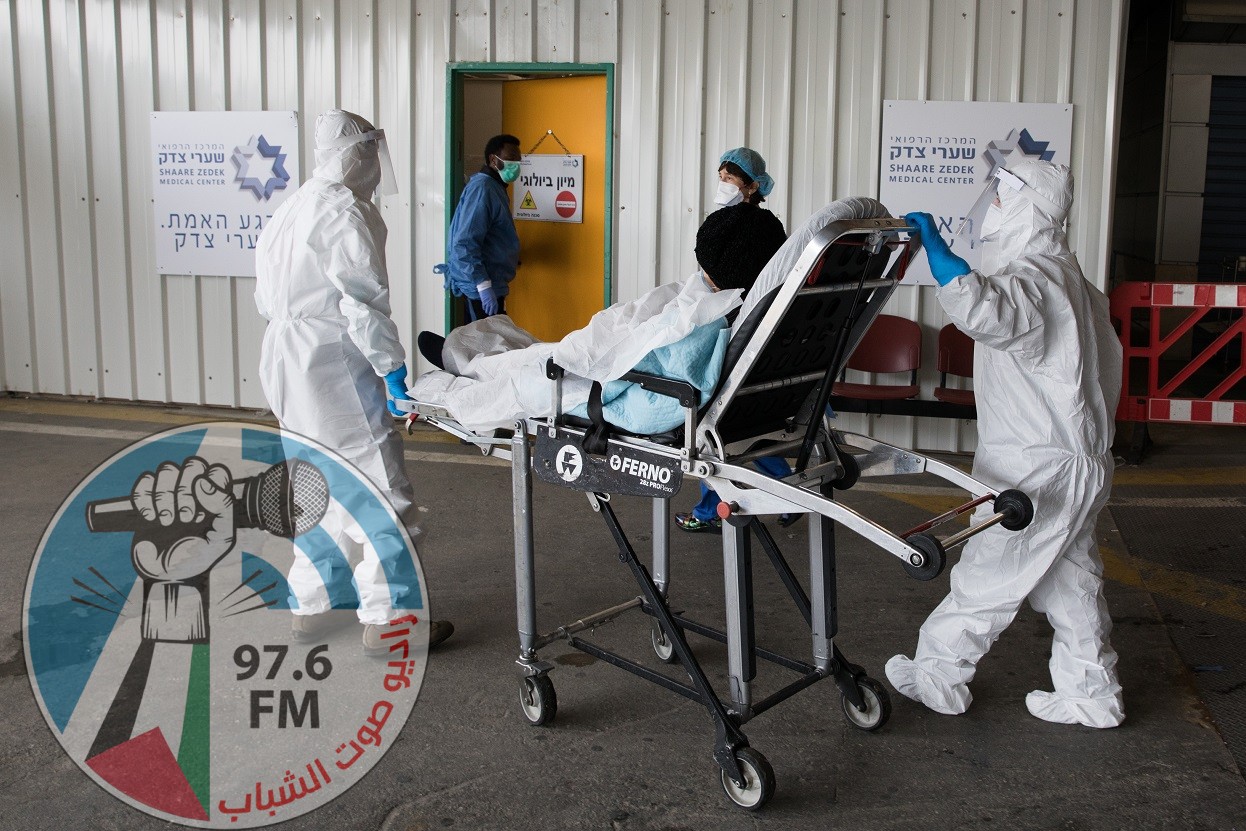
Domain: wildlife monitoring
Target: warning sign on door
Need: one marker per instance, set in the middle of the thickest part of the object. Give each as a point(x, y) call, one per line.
point(550, 188)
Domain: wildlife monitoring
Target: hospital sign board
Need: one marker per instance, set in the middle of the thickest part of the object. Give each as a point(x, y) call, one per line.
point(217, 178)
point(937, 156)
point(550, 188)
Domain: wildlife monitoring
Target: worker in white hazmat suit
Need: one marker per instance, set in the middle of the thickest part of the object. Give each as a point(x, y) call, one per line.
point(1047, 375)
point(331, 351)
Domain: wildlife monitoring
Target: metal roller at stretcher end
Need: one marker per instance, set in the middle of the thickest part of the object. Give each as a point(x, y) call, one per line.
point(1013, 510)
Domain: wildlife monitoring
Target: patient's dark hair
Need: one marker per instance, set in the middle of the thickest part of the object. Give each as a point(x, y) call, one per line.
point(734, 244)
point(493, 145)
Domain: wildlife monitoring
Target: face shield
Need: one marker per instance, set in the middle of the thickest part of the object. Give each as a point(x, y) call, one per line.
point(971, 227)
point(389, 183)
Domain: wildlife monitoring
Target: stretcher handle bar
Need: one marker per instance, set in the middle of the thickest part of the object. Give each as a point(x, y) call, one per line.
point(944, 517)
point(776, 449)
point(729, 491)
point(958, 538)
point(766, 386)
point(834, 288)
point(487, 444)
point(589, 622)
point(682, 391)
point(875, 448)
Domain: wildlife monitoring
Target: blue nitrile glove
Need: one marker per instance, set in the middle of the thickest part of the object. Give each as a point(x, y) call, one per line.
point(944, 265)
point(488, 298)
point(396, 384)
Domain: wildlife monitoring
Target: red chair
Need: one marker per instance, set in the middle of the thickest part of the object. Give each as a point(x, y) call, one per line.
point(955, 358)
point(891, 344)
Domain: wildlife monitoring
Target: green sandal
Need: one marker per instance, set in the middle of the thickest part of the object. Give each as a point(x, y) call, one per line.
point(688, 522)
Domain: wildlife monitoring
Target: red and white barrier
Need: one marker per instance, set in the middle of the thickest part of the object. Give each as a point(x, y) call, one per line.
point(1158, 403)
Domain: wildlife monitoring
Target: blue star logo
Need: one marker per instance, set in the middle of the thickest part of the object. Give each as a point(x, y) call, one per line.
point(261, 168)
point(1019, 141)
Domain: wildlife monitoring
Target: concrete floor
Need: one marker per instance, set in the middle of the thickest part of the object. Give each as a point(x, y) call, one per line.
point(623, 754)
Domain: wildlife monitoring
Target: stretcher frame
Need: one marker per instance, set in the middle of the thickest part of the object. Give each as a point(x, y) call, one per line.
point(861, 259)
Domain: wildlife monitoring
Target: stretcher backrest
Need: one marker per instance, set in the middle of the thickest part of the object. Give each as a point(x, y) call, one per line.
point(803, 333)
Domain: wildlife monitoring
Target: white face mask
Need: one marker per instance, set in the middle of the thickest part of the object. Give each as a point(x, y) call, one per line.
point(991, 223)
point(728, 194)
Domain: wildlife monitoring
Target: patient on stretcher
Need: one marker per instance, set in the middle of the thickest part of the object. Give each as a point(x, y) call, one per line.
point(494, 372)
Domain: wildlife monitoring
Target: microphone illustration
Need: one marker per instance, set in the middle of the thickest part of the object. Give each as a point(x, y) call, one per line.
point(173, 557)
point(286, 500)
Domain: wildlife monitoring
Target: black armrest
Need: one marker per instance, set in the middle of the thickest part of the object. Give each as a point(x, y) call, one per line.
point(684, 392)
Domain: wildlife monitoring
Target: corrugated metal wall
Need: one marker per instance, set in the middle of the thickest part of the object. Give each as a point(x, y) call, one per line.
point(83, 311)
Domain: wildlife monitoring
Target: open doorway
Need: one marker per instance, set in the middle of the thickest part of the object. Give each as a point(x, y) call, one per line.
point(559, 113)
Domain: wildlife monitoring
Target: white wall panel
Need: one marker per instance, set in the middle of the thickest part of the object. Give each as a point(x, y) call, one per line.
point(47, 298)
point(77, 265)
point(637, 147)
point(112, 276)
point(682, 160)
point(431, 42)
point(800, 80)
point(250, 328)
point(473, 31)
point(138, 85)
point(210, 73)
point(220, 335)
point(16, 345)
point(180, 322)
point(282, 50)
point(598, 38)
point(514, 32)
point(357, 86)
point(813, 144)
point(727, 62)
point(556, 31)
point(769, 76)
point(393, 44)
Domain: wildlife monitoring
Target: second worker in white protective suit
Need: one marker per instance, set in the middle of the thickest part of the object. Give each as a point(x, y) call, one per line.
point(1047, 375)
point(331, 349)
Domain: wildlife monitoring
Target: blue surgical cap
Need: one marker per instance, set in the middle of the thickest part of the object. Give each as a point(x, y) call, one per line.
point(751, 162)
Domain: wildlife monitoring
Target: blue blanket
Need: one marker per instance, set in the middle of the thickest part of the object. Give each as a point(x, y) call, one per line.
point(697, 359)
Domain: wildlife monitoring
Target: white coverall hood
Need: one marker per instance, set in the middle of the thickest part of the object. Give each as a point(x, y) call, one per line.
point(1032, 219)
point(357, 165)
point(1047, 375)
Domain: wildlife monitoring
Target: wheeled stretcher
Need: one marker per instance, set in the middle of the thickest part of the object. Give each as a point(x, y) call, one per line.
point(771, 401)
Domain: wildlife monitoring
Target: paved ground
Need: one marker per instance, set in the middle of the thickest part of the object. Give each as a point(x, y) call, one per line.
point(623, 754)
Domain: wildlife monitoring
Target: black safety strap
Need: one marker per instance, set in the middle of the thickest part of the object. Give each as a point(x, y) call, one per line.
point(597, 437)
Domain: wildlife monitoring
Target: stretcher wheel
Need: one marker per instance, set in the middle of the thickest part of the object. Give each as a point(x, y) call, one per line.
point(537, 699)
point(936, 558)
point(662, 646)
point(758, 780)
point(877, 705)
point(1016, 507)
